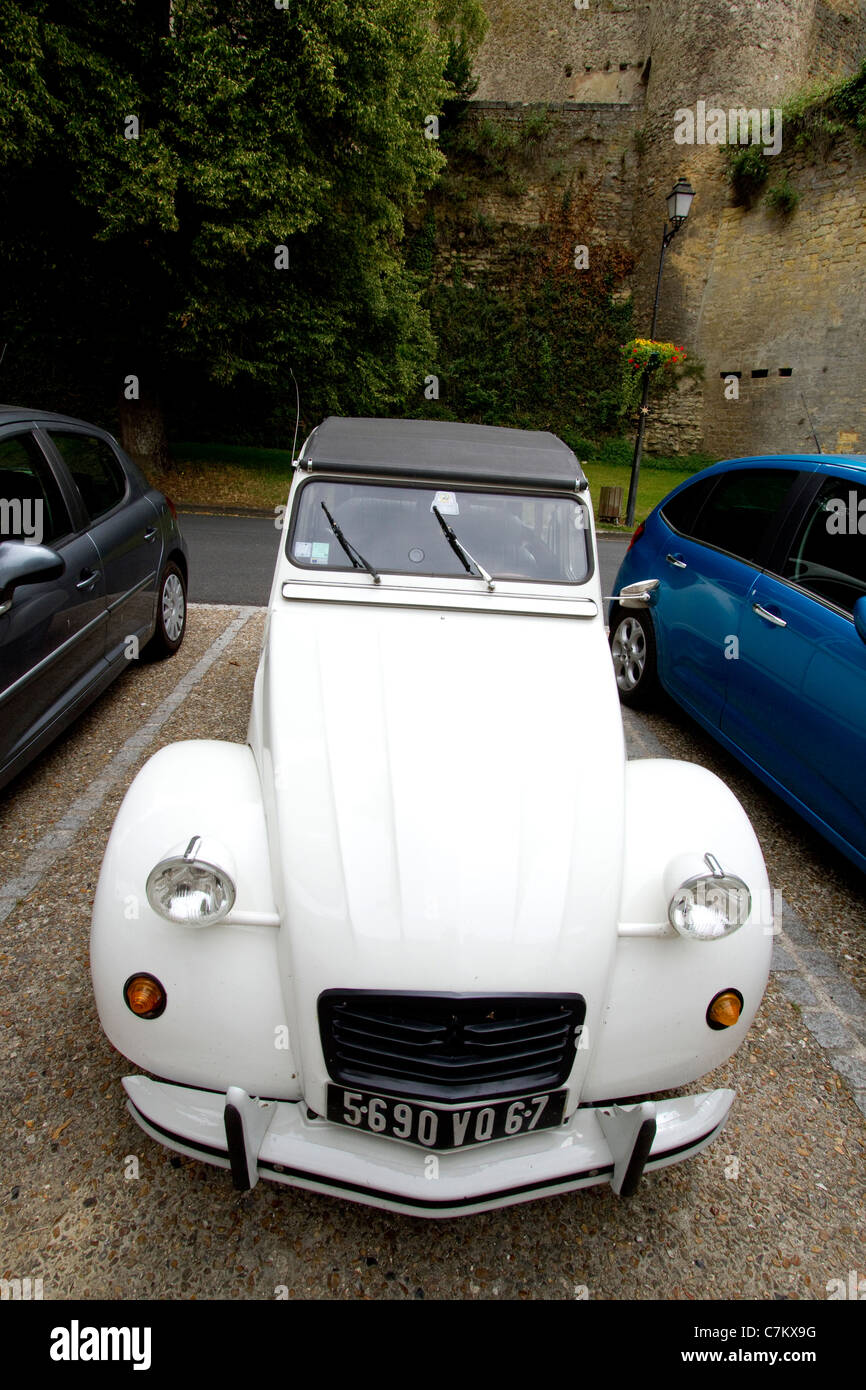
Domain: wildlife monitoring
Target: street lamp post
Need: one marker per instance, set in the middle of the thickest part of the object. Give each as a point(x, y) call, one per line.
point(679, 202)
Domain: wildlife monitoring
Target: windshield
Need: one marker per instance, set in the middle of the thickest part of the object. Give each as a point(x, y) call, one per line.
point(396, 531)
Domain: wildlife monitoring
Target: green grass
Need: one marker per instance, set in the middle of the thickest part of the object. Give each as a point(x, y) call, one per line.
point(240, 455)
point(226, 475)
point(653, 484)
point(608, 464)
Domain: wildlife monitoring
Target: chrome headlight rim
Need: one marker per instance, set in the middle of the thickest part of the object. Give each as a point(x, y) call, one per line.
point(195, 864)
point(719, 903)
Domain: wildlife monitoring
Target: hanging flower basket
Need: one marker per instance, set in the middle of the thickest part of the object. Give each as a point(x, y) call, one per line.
point(641, 355)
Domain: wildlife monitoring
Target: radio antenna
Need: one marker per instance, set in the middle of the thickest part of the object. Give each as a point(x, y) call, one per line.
point(297, 413)
point(811, 426)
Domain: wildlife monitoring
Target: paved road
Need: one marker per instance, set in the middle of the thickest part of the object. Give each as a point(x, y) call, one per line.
point(232, 558)
point(93, 1207)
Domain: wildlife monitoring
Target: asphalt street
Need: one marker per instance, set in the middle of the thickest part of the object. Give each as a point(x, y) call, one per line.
point(232, 558)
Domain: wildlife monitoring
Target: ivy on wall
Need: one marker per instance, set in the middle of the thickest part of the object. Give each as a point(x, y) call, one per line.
point(529, 328)
point(812, 122)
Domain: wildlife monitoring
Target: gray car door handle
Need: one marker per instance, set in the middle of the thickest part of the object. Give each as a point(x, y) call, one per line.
point(88, 577)
point(768, 616)
point(677, 561)
point(151, 534)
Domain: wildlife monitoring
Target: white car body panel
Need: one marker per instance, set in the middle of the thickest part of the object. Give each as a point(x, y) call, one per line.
point(434, 798)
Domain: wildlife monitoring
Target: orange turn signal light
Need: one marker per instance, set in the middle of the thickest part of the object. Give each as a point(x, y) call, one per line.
point(144, 995)
point(725, 1009)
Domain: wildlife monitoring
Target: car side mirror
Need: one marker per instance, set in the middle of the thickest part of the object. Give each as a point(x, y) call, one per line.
point(860, 617)
point(637, 595)
point(22, 563)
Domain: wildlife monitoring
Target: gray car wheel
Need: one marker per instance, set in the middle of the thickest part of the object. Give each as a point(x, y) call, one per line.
point(170, 613)
point(633, 648)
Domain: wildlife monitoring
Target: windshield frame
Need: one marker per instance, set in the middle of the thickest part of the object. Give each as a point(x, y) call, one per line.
point(311, 571)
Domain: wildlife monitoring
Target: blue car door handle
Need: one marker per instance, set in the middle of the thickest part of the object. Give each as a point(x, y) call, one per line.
point(768, 616)
point(88, 577)
point(677, 561)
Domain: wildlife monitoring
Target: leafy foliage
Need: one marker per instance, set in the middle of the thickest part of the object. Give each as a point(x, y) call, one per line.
point(812, 121)
point(747, 172)
point(819, 115)
point(259, 128)
point(531, 344)
point(782, 197)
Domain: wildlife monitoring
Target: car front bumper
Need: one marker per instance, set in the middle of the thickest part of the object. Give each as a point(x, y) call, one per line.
point(281, 1141)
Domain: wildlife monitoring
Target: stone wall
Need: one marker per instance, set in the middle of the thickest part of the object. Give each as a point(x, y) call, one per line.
point(547, 50)
point(743, 290)
point(587, 149)
point(788, 293)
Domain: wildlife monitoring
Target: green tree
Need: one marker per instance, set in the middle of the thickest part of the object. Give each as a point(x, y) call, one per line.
point(220, 183)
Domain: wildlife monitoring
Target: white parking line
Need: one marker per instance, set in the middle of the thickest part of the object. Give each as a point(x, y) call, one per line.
point(58, 840)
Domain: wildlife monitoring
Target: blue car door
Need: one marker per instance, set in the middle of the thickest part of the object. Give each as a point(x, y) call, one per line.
point(797, 694)
point(707, 570)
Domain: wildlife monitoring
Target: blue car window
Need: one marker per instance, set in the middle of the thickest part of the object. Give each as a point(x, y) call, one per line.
point(97, 473)
point(739, 516)
point(828, 556)
point(681, 511)
point(31, 506)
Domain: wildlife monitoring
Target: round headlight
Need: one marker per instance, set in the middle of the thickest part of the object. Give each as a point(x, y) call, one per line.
point(190, 889)
point(709, 906)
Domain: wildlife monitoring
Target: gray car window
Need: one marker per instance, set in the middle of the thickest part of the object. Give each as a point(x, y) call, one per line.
point(538, 537)
point(95, 469)
point(31, 506)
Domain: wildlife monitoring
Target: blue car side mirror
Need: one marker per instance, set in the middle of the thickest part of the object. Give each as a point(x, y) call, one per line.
point(860, 617)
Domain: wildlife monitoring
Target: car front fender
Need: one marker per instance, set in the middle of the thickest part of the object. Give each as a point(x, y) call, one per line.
point(654, 1034)
point(225, 1021)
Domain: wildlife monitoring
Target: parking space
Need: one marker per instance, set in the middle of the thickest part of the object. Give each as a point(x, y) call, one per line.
point(92, 1206)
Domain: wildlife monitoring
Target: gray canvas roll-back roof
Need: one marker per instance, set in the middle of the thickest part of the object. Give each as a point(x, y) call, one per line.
point(444, 450)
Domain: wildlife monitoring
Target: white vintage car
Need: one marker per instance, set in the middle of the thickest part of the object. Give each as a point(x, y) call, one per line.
point(427, 940)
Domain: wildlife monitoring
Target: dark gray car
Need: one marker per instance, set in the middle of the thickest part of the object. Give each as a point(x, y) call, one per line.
point(93, 573)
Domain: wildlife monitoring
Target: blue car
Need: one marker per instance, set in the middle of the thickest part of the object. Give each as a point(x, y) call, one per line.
point(758, 625)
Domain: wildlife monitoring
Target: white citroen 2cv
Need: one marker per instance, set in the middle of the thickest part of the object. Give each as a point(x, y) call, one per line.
point(428, 941)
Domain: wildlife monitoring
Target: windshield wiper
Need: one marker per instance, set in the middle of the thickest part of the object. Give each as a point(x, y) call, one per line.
point(460, 550)
point(351, 550)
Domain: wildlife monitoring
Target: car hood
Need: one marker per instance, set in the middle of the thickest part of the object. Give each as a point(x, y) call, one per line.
point(444, 792)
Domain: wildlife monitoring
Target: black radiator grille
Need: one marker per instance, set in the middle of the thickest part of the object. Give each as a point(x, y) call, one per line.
point(450, 1047)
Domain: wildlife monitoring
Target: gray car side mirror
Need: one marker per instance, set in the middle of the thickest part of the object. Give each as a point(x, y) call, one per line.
point(22, 563)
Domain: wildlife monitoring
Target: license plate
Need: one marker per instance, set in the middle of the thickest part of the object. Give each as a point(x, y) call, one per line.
point(435, 1128)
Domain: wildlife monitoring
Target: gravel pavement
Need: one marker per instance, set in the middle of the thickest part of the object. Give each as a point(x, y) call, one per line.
point(773, 1209)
